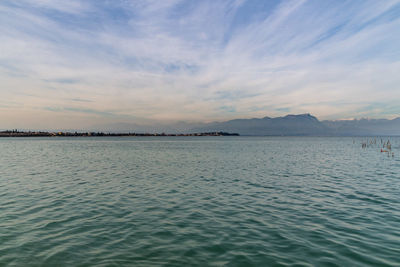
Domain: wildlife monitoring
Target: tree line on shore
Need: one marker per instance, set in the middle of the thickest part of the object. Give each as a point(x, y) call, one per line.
point(17, 133)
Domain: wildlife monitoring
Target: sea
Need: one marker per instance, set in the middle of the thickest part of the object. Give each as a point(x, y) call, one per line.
point(199, 201)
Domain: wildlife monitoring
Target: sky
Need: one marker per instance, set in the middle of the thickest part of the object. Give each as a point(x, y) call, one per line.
point(76, 63)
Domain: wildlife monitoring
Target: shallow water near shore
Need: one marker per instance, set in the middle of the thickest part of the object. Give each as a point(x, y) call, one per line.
point(206, 201)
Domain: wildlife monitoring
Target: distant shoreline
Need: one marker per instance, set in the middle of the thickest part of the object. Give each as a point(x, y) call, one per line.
point(16, 133)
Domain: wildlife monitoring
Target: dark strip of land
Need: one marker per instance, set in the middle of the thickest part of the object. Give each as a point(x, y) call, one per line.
point(16, 133)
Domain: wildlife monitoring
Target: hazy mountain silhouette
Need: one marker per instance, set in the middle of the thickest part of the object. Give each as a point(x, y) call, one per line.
point(306, 125)
point(290, 125)
point(364, 127)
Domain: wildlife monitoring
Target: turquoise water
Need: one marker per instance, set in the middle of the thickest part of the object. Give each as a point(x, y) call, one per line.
point(198, 201)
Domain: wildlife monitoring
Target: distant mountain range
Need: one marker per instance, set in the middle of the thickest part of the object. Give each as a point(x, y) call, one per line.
point(306, 125)
point(290, 125)
point(364, 127)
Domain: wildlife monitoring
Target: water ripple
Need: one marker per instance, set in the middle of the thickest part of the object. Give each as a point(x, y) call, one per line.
point(197, 201)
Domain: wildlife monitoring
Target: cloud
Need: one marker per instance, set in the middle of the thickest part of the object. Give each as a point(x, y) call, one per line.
point(199, 60)
point(64, 80)
point(71, 6)
point(81, 100)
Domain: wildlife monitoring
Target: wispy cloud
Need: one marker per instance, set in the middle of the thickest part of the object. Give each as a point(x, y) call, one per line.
point(81, 100)
point(198, 60)
point(81, 110)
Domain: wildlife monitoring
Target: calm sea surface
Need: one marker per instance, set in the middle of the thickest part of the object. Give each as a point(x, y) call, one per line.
point(204, 201)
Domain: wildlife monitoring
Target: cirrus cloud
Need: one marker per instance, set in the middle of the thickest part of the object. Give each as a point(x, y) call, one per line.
point(196, 60)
